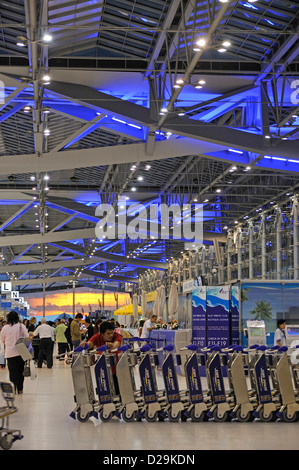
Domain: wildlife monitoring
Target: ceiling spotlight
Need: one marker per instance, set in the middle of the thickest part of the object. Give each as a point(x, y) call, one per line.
point(201, 42)
point(133, 189)
point(21, 41)
point(218, 190)
point(267, 136)
point(140, 178)
point(46, 78)
point(147, 167)
point(46, 188)
point(180, 81)
point(164, 110)
point(47, 132)
point(201, 82)
point(226, 44)
point(46, 177)
point(222, 49)
point(47, 37)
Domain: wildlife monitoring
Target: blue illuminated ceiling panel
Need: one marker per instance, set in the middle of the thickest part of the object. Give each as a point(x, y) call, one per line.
point(114, 66)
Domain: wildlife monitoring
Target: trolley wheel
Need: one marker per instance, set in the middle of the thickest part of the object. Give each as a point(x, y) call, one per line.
point(221, 419)
point(7, 441)
point(266, 419)
point(129, 419)
point(244, 419)
point(286, 419)
point(174, 418)
point(198, 419)
point(105, 419)
point(183, 416)
point(151, 419)
point(83, 419)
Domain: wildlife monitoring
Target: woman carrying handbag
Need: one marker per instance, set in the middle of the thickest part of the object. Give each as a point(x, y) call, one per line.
point(10, 334)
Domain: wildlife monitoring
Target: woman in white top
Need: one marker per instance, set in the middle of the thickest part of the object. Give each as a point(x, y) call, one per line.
point(10, 334)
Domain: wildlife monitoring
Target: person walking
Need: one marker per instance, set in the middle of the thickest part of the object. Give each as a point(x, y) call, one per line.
point(61, 339)
point(45, 333)
point(10, 334)
point(75, 330)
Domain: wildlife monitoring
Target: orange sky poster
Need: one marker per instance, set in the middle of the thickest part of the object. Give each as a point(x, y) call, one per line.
point(58, 302)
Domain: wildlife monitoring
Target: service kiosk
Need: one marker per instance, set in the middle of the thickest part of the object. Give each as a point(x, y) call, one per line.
point(292, 334)
point(256, 332)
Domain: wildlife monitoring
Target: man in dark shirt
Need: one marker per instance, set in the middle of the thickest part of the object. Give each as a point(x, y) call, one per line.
point(109, 337)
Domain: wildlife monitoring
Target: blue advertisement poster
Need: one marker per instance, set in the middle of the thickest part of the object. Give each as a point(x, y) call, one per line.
point(235, 304)
point(218, 315)
point(199, 320)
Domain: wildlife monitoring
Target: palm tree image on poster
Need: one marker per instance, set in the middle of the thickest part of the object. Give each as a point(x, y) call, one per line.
point(262, 310)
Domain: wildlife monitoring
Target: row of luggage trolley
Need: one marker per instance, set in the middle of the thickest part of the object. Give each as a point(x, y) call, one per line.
point(262, 383)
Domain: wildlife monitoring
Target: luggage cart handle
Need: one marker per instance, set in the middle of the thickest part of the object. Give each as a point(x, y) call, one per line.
point(190, 347)
point(81, 348)
point(102, 348)
point(146, 348)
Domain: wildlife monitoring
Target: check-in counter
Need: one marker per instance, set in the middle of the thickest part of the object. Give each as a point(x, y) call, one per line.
point(180, 339)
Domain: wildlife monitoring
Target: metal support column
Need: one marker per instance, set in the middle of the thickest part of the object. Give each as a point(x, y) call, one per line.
point(250, 249)
point(264, 254)
point(278, 243)
point(296, 238)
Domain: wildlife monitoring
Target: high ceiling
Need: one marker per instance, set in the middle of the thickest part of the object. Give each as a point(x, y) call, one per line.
point(177, 99)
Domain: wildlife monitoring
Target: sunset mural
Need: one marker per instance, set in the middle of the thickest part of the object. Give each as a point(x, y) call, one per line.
point(58, 302)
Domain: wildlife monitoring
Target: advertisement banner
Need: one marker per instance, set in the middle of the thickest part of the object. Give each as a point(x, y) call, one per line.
point(218, 315)
point(170, 380)
point(216, 380)
point(102, 380)
point(199, 317)
point(235, 305)
point(193, 378)
point(147, 380)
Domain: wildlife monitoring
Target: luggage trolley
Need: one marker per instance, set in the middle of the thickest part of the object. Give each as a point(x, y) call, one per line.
point(131, 399)
point(280, 367)
point(177, 400)
point(259, 373)
point(7, 436)
point(109, 402)
point(220, 407)
point(244, 402)
point(83, 385)
point(154, 400)
point(199, 402)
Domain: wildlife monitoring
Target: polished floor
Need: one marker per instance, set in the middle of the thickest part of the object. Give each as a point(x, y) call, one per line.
point(44, 418)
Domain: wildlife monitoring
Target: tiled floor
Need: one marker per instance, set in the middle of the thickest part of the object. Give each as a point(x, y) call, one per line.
point(44, 419)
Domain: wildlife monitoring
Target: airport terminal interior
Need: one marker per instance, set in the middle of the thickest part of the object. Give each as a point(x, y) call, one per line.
point(149, 178)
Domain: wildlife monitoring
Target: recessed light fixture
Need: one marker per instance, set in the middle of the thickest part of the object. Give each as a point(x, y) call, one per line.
point(47, 37)
point(201, 42)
